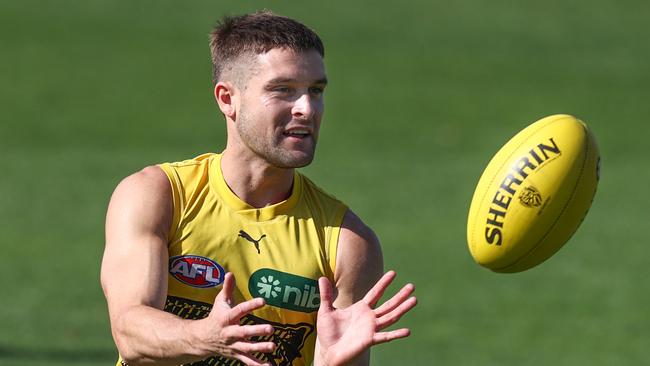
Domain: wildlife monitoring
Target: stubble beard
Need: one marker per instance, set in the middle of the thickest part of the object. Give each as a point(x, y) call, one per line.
point(270, 149)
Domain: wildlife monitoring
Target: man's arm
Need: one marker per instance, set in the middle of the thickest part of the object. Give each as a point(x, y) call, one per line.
point(348, 325)
point(134, 279)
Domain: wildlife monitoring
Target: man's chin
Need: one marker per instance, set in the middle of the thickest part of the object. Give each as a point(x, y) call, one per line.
point(293, 160)
point(300, 163)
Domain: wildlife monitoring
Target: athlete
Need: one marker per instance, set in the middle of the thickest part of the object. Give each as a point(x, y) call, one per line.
point(236, 258)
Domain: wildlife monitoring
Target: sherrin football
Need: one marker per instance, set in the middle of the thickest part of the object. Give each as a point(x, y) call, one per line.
point(533, 194)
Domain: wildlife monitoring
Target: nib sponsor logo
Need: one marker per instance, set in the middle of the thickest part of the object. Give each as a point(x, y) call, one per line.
point(196, 271)
point(285, 290)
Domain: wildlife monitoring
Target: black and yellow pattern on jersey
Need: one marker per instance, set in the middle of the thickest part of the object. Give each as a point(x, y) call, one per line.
point(289, 338)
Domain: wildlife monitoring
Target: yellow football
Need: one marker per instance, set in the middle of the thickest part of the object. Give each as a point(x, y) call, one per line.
point(533, 194)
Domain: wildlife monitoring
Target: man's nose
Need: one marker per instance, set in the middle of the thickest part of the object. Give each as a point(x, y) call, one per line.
point(304, 107)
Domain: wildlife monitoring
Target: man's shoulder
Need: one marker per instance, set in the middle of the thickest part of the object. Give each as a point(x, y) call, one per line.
point(149, 179)
point(189, 172)
point(201, 160)
point(140, 203)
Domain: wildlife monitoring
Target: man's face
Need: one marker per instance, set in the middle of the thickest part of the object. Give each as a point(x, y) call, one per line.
point(281, 107)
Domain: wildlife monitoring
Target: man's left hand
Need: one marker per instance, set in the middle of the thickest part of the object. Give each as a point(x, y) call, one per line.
point(345, 334)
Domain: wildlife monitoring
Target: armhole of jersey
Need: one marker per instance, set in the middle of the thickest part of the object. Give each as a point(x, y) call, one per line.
point(177, 202)
point(335, 232)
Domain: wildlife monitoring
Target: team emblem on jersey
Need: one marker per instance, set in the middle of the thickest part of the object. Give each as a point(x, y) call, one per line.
point(196, 271)
point(289, 339)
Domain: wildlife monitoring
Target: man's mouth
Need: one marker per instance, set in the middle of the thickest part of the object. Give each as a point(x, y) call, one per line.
point(298, 132)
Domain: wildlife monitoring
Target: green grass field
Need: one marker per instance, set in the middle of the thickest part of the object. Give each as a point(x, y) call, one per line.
point(421, 95)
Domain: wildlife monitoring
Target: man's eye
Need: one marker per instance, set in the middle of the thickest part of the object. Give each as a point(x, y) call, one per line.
point(316, 90)
point(282, 89)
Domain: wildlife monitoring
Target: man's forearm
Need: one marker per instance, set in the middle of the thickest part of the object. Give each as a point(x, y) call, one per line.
point(145, 335)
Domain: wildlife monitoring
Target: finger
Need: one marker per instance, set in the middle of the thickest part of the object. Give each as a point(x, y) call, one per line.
point(247, 331)
point(250, 360)
point(384, 337)
point(377, 291)
point(394, 301)
point(251, 347)
point(393, 316)
point(224, 297)
point(244, 308)
point(325, 291)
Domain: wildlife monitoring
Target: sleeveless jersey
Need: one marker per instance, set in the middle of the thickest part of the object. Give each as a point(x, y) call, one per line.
point(277, 253)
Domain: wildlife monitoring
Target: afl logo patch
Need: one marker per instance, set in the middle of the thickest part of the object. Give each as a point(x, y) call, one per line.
point(196, 271)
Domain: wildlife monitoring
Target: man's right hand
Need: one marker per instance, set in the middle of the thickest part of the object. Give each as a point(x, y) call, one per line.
point(221, 333)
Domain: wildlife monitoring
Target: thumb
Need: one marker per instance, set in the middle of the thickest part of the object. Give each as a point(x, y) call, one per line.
point(325, 290)
point(224, 297)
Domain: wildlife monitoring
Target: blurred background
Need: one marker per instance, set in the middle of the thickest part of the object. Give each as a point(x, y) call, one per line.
point(421, 95)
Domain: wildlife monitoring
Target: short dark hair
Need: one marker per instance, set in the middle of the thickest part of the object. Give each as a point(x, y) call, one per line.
point(257, 33)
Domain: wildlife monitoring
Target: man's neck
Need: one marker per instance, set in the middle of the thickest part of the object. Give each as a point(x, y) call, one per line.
point(254, 180)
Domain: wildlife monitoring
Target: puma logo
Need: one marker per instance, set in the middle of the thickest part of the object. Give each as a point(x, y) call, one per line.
point(245, 235)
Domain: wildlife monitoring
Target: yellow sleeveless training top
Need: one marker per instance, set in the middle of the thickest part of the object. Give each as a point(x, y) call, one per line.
point(277, 252)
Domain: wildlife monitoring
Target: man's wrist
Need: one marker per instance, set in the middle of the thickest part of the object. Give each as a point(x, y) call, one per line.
point(194, 343)
point(320, 357)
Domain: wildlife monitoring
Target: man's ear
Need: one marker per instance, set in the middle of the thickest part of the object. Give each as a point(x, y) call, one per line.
point(224, 93)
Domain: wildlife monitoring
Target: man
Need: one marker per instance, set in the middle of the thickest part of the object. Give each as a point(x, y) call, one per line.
point(230, 258)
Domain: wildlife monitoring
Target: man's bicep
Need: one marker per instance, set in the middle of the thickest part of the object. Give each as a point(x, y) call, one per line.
point(135, 257)
point(359, 262)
